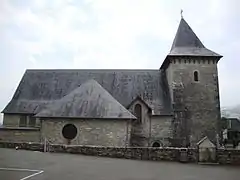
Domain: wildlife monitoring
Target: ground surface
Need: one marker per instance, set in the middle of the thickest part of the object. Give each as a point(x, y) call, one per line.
point(67, 166)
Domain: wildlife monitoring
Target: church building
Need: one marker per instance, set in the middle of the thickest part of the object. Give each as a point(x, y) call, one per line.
point(176, 104)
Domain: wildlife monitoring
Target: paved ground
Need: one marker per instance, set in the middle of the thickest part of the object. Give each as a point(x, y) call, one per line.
point(68, 166)
point(6, 174)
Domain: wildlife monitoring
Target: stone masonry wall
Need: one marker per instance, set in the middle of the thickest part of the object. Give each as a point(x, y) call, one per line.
point(161, 130)
point(20, 134)
point(196, 104)
point(32, 146)
point(140, 153)
point(140, 131)
point(152, 128)
point(228, 157)
point(90, 132)
point(10, 120)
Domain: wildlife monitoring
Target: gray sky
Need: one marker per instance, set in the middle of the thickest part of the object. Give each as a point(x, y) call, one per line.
point(128, 34)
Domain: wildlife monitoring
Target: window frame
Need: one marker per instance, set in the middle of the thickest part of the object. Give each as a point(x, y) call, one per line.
point(138, 112)
point(196, 76)
point(156, 144)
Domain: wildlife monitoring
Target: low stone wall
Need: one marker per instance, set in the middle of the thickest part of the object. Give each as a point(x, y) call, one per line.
point(21, 145)
point(224, 156)
point(156, 154)
point(227, 156)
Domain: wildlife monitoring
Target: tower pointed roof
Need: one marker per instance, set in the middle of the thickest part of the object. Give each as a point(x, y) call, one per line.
point(186, 43)
point(90, 100)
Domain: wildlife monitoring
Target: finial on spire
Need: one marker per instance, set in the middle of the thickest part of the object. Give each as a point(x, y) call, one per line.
point(181, 13)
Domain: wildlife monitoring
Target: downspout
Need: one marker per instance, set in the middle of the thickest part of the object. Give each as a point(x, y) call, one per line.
point(150, 131)
point(127, 138)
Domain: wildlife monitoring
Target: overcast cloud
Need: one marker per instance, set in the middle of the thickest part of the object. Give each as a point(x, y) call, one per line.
point(129, 34)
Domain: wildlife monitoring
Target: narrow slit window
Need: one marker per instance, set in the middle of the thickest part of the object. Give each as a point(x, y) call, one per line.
point(138, 112)
point(196, 76)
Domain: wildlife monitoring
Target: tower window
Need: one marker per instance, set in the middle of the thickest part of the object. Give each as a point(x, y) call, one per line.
point(138, 112)
point(196, 76)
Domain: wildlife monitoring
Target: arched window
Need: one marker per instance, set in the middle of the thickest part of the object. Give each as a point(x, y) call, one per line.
point(196, 76)
point(138, 112)
point(156, 144)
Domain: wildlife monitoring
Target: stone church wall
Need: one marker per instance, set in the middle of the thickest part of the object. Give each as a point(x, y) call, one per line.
point(140, 131)
point(10, 120)
point(10, 131)
point(196, 104)
point(19, 134)
point(151, 129)
point(89, 132)
point(161, 130)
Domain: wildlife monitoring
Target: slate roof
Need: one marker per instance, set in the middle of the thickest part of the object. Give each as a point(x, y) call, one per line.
point(192, 51)
point(208, 143)
point(138, 98)
point(186, 42)
point(41, 87)
point(90, 100)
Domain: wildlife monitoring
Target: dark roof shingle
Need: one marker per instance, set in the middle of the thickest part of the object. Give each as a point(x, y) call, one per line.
point(40, 87)
point(90, 100)
point(186, 42)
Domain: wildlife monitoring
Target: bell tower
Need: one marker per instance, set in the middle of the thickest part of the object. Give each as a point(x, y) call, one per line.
point(192, 76)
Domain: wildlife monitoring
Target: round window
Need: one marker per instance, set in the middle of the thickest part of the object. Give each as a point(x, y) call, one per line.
point(69, 131)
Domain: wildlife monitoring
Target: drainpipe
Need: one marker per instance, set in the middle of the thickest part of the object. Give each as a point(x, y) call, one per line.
point(126, 143)
point(150, 131)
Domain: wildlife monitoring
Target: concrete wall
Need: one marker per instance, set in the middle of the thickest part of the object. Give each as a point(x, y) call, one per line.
point(90, 132)
point(196, 104)
point(20, 134)
point(161, 130)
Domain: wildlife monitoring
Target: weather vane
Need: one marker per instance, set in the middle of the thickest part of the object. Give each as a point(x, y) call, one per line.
point(181, 13)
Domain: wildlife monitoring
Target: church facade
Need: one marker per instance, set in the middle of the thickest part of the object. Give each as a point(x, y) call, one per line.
point(175, 105)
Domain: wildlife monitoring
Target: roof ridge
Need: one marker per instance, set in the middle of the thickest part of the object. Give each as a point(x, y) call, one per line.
point(92, 69)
